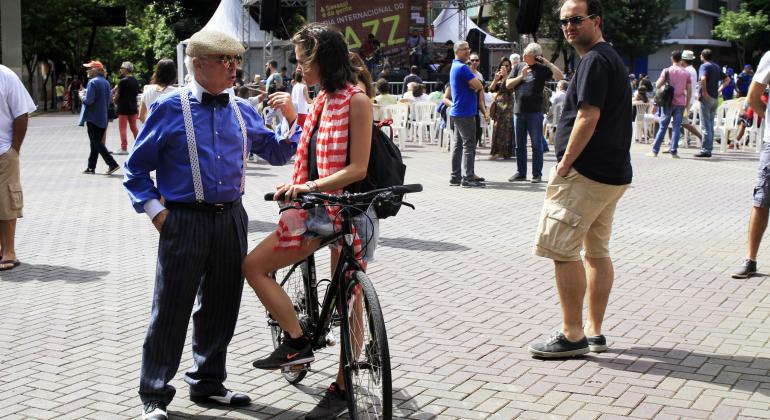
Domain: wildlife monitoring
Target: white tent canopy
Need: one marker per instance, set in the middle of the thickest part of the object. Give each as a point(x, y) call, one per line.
point(446, 27)
point(230, 18)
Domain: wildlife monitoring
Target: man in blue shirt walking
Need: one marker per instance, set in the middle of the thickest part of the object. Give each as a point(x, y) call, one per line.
point(94, 116)
point(197, 140)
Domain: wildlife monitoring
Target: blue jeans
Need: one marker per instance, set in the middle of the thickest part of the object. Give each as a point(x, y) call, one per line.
point(532, 123)
point(677, 112)
point(708, 110)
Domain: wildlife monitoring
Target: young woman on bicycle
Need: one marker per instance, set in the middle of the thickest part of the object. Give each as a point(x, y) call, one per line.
point(339, 124)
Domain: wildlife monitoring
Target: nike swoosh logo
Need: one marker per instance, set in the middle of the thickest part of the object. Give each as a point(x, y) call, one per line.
point(291, 355)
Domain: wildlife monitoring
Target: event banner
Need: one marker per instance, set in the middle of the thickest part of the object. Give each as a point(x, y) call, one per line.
point(390, 21)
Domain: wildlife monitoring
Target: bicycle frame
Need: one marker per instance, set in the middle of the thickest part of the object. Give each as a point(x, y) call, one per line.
point(321, 315)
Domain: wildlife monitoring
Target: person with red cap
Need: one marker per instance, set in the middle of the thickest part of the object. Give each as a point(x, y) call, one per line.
point(94, 116)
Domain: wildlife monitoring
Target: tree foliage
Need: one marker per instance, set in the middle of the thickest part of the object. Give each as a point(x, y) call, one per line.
point(748, 29)
point(636, 28)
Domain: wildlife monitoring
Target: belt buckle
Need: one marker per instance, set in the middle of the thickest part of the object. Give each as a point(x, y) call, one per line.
point(219, 208)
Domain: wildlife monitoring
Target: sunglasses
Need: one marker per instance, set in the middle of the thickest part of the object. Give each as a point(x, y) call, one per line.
point(575, 20)
point(229, 61)
point(475, 61)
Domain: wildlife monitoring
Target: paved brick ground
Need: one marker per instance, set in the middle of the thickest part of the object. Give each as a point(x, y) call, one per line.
point(462, 296)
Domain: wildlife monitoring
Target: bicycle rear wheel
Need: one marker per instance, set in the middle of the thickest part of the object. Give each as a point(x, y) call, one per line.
point(366, 355)
point(292, 280)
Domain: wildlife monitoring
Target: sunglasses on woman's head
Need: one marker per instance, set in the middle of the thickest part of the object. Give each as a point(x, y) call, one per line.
point(575, 20)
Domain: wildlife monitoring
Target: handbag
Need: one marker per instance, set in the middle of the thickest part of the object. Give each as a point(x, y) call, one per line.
point(664, 96)
point(112, 112)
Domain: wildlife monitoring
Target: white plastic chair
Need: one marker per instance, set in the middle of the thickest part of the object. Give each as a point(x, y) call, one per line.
point(399, 113)
point(422, 120)
point(642, 125)
point(553, 121)
point(727, 121)
point(694, 117)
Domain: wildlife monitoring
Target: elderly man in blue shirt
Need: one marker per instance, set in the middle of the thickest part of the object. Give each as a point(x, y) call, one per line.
point(197, 141)
point(94, 116)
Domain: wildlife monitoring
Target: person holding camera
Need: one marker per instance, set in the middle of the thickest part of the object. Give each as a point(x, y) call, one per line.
point(528, 81)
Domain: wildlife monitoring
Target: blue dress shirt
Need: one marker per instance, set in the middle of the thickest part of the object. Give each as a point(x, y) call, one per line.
point(162, 147)
point(96, 101)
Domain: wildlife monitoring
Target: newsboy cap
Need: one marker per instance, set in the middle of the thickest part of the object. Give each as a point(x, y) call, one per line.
point(212, 43)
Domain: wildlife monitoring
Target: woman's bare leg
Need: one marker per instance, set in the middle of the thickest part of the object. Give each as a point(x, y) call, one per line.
point(265, 259)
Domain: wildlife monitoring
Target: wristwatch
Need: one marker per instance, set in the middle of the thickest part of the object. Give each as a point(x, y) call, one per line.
point(311, 185)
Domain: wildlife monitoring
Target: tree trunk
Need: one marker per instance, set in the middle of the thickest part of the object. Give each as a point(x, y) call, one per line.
point(91, 43)
point(513, 33)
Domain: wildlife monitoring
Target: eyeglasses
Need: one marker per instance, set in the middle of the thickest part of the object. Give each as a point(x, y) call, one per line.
point(475, 61)
point(229, 61)
point(575, 20)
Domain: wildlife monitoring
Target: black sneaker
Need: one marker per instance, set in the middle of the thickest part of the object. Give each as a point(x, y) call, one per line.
point(472, 183)
point(558, 346)
point(291, 351)
point(747, 269)
point(517, 177)
point(597, 343)
point(454, 182)
point(89, 171)
point(702, 155)
point(536, 180)
point(154, 410)
point(333, 404)
point(112, 169)
point(478, 178)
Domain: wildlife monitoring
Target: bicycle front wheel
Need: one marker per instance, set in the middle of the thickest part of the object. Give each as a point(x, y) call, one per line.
point(292, 280)
point(366, 355)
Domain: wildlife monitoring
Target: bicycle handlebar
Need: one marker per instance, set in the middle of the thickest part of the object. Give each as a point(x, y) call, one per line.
point(353, 198)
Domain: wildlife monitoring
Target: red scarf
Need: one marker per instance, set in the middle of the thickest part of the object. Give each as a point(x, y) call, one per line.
point(331, 154)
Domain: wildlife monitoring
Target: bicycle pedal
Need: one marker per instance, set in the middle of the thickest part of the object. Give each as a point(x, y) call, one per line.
point(295, 368)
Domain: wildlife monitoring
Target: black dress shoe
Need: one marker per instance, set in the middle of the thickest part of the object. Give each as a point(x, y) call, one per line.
point(703, 155)
point(226, 398)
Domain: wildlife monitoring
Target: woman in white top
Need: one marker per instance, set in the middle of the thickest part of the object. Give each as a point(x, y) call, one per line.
point(300, 98)
point(162, 82)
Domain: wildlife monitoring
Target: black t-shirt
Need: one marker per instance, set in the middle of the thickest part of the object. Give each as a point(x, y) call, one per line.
point(600, 80)
point(529, 93)
point(128, 88)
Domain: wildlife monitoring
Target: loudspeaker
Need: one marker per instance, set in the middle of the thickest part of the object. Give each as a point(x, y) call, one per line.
point(270, 15)
point(475, 39)
point(530, 12)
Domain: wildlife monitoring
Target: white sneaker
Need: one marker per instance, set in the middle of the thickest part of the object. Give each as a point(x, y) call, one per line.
point(154, 410)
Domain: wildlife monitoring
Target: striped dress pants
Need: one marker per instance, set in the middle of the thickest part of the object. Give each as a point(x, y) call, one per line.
point(199, 272)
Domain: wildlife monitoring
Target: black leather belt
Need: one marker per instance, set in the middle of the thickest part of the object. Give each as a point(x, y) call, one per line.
point(204, 207)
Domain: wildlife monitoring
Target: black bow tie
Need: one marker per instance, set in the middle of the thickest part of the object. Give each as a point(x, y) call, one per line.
point(222, 99)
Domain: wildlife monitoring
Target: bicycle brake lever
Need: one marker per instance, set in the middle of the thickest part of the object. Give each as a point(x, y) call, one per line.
point(284, 208)
point(411, 206)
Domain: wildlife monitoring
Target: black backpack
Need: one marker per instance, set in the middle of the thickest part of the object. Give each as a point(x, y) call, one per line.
point(664, 96)
point(386, 169)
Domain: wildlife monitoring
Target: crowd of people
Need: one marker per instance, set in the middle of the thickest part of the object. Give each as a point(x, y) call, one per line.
point(197, 139)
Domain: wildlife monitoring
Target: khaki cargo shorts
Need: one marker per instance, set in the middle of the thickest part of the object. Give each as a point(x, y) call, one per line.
point(577, 213)
point(11, 198)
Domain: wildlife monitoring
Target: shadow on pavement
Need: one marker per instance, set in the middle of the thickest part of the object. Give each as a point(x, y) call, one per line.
point(740, 373)
point(45, 272)
point(516, 186)
point(260, 226)
point(421, 245)
point(248, 412)
point(408, 405)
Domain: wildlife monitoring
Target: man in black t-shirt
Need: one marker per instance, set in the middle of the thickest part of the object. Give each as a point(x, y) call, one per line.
point(128, 109)
point(527, 80)
point(593, 138)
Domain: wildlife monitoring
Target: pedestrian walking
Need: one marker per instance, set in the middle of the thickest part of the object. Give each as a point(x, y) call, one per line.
point(465, 88)
point(710, 78)
point(96, 101)
point(759, 211)
point(593, 139)
point(679, 80)
point(162, 82)
point(196, 140)
point(126, 101)
point(14, 115)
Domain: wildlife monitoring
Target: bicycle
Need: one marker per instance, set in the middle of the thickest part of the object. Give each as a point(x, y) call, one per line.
point(365, 355)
